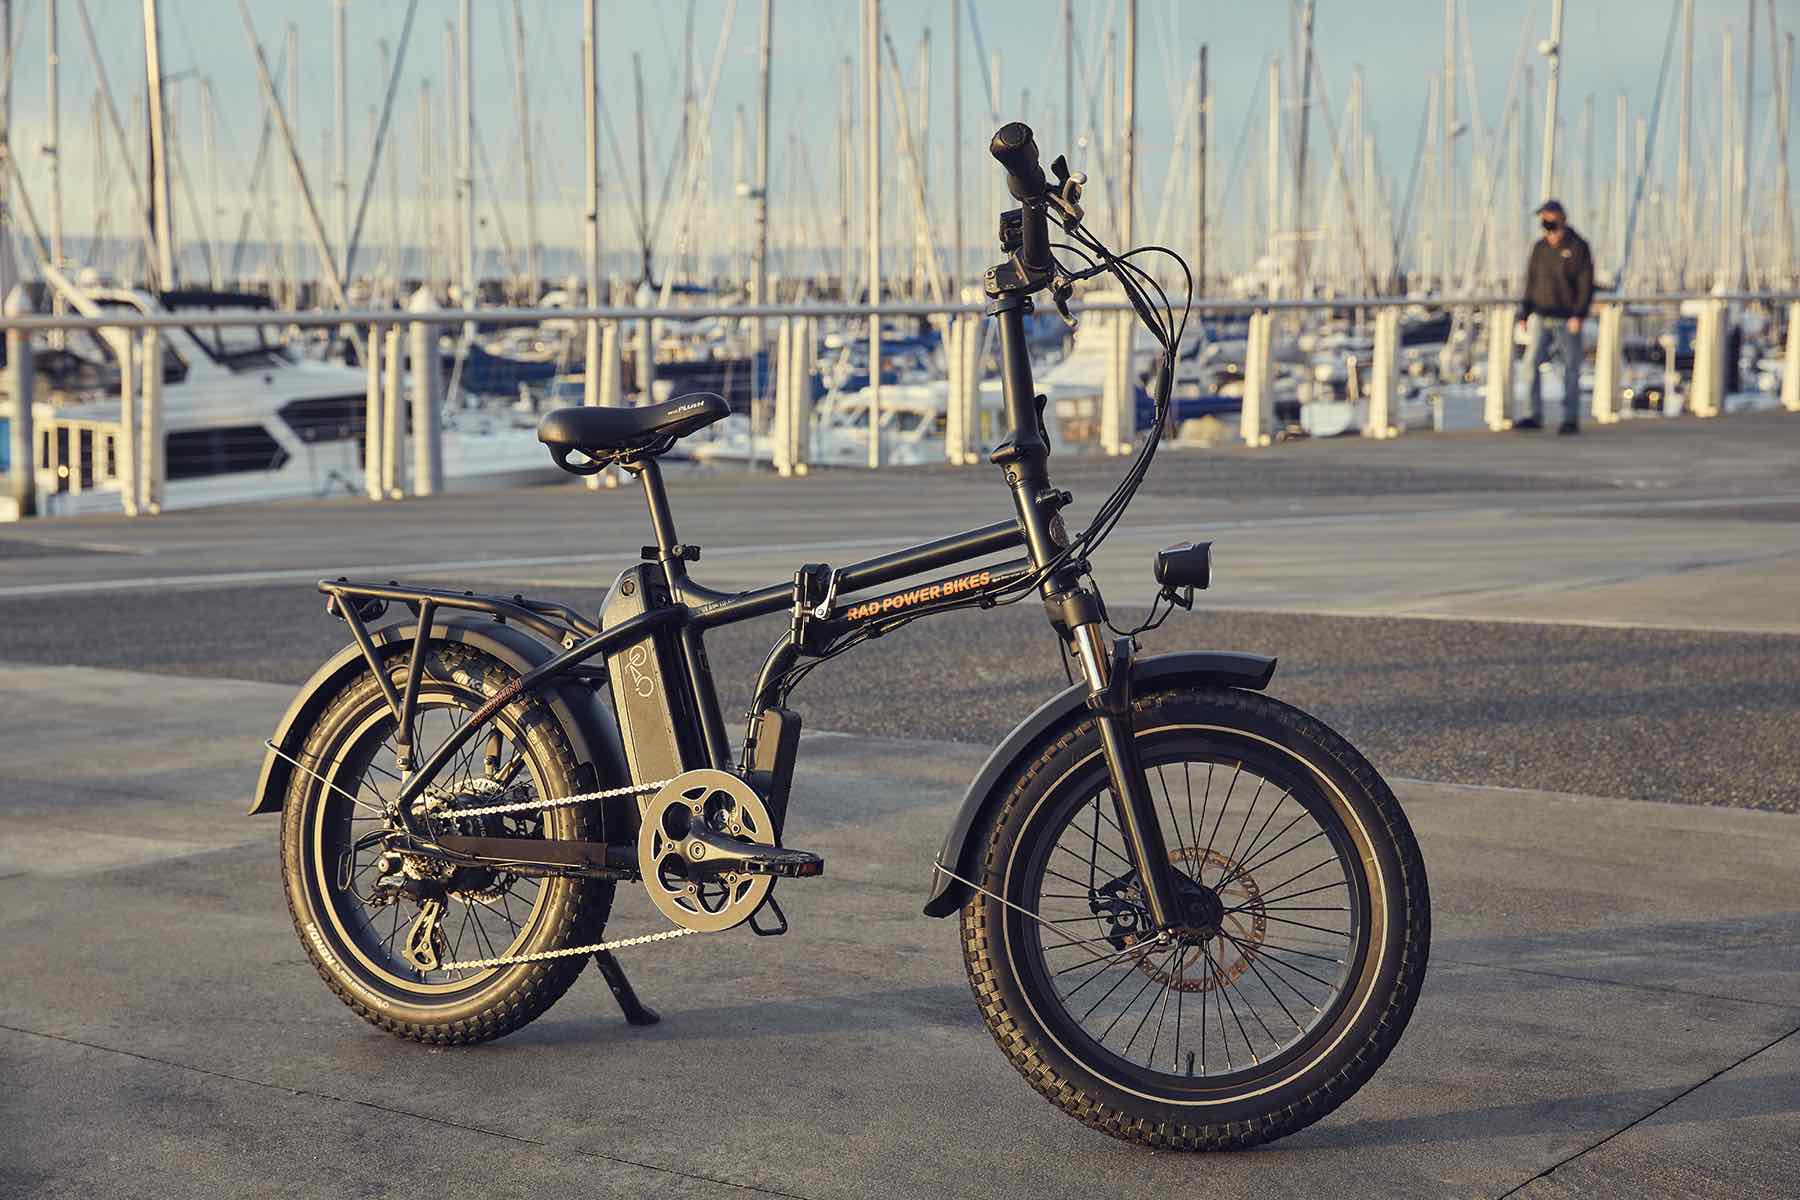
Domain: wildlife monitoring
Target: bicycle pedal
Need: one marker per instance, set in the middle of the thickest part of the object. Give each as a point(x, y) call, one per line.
point(787, 864)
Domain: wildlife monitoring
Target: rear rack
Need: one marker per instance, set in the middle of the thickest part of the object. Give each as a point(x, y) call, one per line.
point(553, 622)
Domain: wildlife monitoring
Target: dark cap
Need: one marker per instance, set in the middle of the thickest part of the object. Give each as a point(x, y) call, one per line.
point(1551, 206)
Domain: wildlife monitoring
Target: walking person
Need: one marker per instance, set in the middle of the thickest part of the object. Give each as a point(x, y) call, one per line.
point(1559, 286)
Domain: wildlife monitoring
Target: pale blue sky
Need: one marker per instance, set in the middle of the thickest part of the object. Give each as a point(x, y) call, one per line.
point(1610, 45)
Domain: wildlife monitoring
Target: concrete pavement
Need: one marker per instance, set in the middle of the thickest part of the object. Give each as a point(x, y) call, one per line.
point(1611, 1010)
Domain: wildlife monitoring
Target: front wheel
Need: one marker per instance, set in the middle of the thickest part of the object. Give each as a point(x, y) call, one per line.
point(1295, 977)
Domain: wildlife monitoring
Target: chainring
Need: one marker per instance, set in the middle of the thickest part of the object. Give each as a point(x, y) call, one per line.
point(726, 806)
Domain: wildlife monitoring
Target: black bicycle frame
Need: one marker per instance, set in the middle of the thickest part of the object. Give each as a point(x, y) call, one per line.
point(653, 625)
point(692, 608)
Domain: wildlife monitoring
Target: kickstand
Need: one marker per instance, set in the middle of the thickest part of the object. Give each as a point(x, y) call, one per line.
point(635, 1010)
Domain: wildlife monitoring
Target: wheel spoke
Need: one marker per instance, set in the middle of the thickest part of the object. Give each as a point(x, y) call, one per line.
point(1240, 969)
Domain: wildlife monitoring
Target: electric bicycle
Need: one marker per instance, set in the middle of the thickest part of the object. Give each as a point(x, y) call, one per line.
point(464, 789)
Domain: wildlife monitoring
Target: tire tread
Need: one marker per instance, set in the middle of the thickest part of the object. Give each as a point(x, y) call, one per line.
point(1088, 1107)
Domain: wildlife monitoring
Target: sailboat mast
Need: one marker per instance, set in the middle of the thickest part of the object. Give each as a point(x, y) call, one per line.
point(533, 265)
point(160, 204)
point(957, 261)
point(846, 177)
point(637, 79)
point(759, 263)
point(1742, 179)
point(590, 103)
point(1128, 166)
point(427, 190)
point(210, 146)
point(293, 139)
point(1068, 25)
point(1552, 53)
point(1272, 206)
point(1684, 186)
point(872, 119)
point(467, 162)
point(340, 64)
point(1202, 117)
point(1304, 116)
point(53, 144)
point(1447, 145)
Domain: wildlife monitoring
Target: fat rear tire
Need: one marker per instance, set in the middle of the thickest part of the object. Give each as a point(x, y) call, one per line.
point(567, 912)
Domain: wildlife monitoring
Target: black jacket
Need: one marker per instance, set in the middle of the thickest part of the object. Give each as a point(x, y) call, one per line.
point(1559, 282)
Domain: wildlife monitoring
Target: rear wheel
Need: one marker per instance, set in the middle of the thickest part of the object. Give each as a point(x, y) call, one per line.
point(355, 911)
point(1307, 935)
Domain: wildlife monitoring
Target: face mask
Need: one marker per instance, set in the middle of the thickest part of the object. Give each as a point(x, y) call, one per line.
point(1551, 224)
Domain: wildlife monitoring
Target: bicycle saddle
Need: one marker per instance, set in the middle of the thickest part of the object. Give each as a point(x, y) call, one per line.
point(601, 432)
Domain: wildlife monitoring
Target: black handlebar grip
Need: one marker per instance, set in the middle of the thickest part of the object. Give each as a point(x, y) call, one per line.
point(1015, 148)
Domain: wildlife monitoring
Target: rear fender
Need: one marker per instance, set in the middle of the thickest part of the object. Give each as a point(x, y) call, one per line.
point(592, 731)
point(1065, 709)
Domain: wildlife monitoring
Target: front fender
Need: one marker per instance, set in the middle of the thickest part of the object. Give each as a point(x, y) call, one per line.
point(593, 733)
point(1069, 707)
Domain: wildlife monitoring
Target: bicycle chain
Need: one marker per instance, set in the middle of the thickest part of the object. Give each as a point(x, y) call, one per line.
point(507, 960)
point(494, 810)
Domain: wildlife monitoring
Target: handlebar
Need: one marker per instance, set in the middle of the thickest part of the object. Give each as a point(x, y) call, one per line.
point(1015, 148)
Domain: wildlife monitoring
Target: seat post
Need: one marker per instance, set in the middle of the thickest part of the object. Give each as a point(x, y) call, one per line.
point(662, 520)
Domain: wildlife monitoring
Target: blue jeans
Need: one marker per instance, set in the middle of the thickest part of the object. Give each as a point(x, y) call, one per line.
point(1554, 338)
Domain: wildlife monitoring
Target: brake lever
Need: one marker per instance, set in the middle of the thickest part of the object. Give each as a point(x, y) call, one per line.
point(1061, 288)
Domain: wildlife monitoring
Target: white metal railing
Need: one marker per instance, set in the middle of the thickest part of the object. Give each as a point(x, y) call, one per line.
point(132, 452)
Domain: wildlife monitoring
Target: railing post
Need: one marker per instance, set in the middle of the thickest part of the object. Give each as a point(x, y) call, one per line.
point(1790, 374)
point(78, 432)
point(961, 401)
point(1498, 389)
point(1384, 376)
point(124, 344)
point(604, 383)
point(20, 377)
point(152, 453)
point(1706, 394)
point(800, 426)
point(784, 403)
point(393, 418)
point(427, 401)
point(646, 362)
point(1256, 423)
point(971, 373)
point(1609, 363)
point(373, 455)
point(1118, 412)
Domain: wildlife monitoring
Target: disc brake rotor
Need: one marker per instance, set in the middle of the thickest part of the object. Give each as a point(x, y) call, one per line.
point(671, 861)
point(1231, 946)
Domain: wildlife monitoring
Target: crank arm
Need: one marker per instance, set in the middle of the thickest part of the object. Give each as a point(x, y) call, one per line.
point(709, 854)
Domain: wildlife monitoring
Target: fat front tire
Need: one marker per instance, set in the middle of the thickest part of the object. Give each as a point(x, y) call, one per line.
point(352, 930)
point(1263, 1014)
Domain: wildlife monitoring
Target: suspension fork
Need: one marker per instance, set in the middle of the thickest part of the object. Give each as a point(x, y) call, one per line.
point(1108, 674)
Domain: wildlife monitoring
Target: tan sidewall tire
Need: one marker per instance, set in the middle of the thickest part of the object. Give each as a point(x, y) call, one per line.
point(1340, 1056)
point(570, 912)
